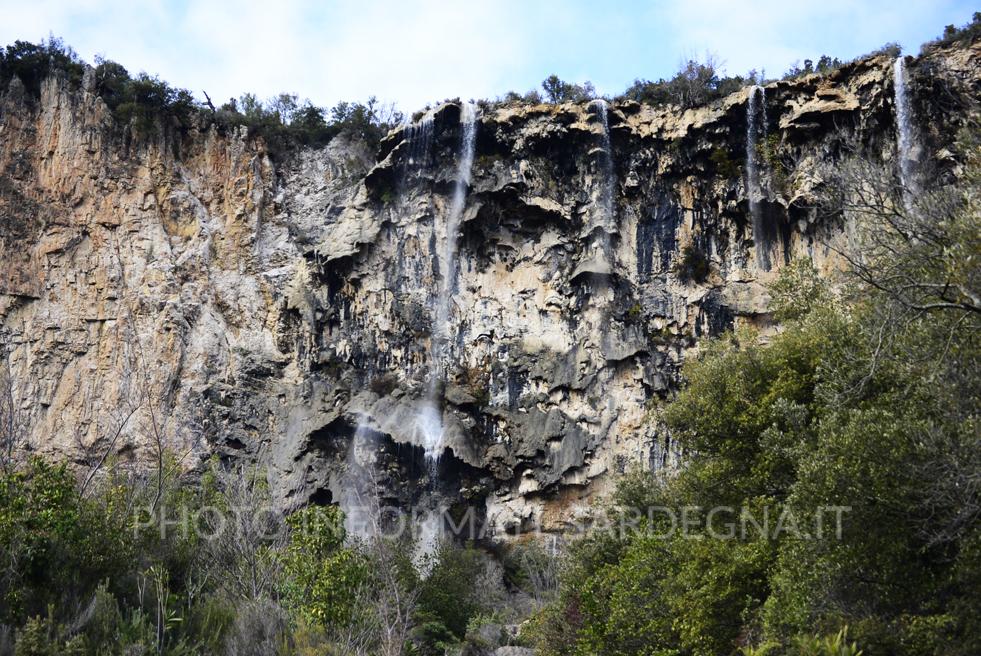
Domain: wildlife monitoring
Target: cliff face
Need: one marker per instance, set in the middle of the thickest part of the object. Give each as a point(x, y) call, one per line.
point(195, 294)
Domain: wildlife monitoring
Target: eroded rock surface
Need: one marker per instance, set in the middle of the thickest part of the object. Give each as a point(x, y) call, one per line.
point(192, 292)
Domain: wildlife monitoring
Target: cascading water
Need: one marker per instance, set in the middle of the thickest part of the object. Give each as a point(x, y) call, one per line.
point(907, 148)
point(754, 190)
point(419, 137)
point(418, 140)
point(359, 498)
point(448, 264)
point(359, 495)
point(602, 222)
point(606, 218)
point(429, 423)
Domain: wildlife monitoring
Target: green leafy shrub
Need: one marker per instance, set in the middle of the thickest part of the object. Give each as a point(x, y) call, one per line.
point(448, 596)
point(695, 84)
point(825, 65)
point(952, 34)
point(324, 576)
point(835, 410)
point(56, 547)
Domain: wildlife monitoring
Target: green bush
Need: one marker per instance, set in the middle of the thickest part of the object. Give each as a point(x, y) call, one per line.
point(695, 84)
point(448, 595)
point(825, 65)
point(55, 546)
point(149, 106)
point(826, 413)
point(324, 578)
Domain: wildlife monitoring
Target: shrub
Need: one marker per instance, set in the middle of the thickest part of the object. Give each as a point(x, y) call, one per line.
point(324, 576)
point(448, 596)
point(693, 266)
point(55, 546)
point(695, 84)
point(723, 164)
point(145, 103)
point(952, 34)
point(148, 101)
point(825, 65)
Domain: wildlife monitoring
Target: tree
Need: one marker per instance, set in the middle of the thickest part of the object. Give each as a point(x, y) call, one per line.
point(32, 63)
point(325, 577)
point(696, 83)
point(921, 248)
point(559, 91)
point(284, 106)
point(13, 420)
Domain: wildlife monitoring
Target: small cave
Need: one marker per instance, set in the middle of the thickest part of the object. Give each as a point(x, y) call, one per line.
point(330, 439)
point(234, 444)
point(321, 497)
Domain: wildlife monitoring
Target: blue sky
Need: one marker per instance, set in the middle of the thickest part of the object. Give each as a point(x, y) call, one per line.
point(416, 51)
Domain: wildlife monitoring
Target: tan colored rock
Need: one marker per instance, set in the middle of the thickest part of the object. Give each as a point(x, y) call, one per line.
point(229, 304)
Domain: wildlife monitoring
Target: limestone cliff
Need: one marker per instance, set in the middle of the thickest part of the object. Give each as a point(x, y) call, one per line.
point(192, 292)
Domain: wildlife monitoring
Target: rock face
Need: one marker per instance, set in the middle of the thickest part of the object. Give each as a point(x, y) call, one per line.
point(192, 293)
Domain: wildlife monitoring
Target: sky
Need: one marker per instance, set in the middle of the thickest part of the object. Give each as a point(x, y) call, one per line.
point(413, 52)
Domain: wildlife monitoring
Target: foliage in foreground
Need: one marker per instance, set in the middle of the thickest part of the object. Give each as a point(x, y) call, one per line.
point(97, 573)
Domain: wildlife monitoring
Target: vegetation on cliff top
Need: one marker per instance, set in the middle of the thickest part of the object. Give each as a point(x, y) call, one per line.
point(144, 104)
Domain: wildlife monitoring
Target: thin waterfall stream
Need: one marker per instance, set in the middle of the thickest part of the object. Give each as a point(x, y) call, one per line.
point(429, 420)
point(603, 223)
point(907, 148)
point(359, 496)
point(756, 109)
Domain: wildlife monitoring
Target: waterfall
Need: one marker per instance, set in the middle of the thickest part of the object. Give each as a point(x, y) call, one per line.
point(907, 148)
point(448, 265)
point(418, 140)
point(359, 498)
point(429, 424)
point(429, 429)
point(429, 420)
point(603, 222)
point(754, 191)
point(607, 217)
point(419, 137)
